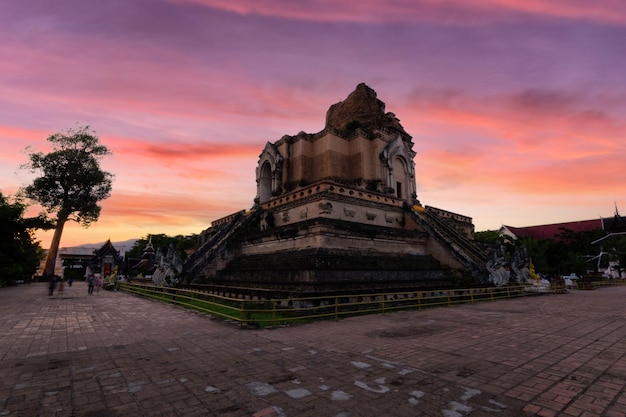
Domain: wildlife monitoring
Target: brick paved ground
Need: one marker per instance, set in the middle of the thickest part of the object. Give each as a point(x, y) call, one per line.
point(113, 355)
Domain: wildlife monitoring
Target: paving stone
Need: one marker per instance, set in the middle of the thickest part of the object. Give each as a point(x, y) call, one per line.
point(115, 354)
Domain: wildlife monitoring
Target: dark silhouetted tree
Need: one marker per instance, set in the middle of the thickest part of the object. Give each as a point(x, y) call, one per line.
point(71, 182)
point(20, 254)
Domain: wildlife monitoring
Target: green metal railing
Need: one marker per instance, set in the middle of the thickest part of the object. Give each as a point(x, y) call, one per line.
point(592, 285)
point(262, 312)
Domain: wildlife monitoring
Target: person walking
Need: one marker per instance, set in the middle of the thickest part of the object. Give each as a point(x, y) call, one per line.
point(91, 282)
point(89, 277)
point(53, 285)
point(99, 282)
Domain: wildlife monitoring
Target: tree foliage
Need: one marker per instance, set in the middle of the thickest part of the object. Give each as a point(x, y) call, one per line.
point(162, 241)
point(70, 183)
point(487, 236)
point(181, 244)
point(20, 253)
point(570, 252)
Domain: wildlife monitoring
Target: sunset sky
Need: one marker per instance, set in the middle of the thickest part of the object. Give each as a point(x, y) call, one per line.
point(517, 108)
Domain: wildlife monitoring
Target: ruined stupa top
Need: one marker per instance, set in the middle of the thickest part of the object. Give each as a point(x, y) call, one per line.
point(362, 109)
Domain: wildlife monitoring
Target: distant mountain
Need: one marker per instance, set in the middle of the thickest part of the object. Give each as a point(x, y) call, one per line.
point(122, 246)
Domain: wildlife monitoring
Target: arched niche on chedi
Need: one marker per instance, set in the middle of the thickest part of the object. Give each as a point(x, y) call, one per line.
point(268, 173)
point(399, 170)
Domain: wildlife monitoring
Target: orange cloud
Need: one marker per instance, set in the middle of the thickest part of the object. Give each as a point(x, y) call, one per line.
point(9, 134)
point(174, 205)
point(127, 215)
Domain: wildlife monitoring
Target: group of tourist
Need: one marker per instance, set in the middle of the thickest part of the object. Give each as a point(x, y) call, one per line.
point(93, 282)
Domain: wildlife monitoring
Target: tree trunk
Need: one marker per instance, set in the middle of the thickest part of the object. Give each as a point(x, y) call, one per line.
point(51, 259)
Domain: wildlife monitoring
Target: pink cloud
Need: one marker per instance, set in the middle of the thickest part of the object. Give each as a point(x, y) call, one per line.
point(526, 119)
point(177, 150)
point(457, 11)
point(519, 96)
point(532, 143)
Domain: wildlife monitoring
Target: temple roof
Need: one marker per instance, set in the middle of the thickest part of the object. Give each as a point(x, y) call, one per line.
point(552, 231)
point(107, 249)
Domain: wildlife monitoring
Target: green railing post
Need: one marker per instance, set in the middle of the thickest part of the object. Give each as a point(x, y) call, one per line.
point(336, 308)
point(508, 292)
point(274, 313)
point(491, 292)
point(419, 300)
point(472, 295)
point(242, 315)
point(449, 299)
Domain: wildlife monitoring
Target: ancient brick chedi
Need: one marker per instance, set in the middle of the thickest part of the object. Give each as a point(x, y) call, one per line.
point(337, 210)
